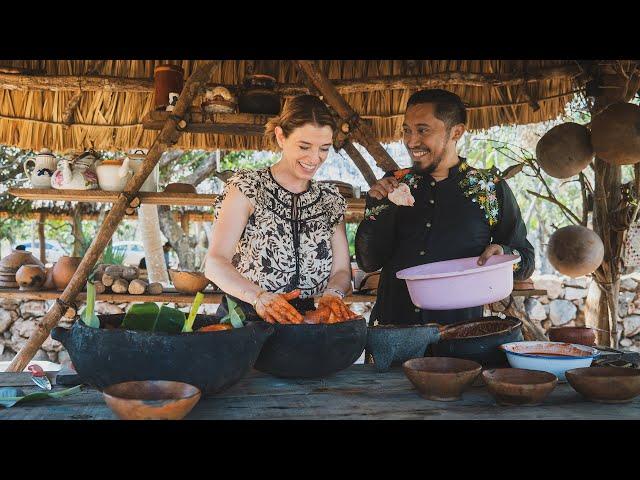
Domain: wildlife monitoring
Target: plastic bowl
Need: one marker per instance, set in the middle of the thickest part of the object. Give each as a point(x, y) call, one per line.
point(552, 357)
point(460, 283)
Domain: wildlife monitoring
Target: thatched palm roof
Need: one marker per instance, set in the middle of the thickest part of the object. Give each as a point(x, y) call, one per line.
point(116, 95)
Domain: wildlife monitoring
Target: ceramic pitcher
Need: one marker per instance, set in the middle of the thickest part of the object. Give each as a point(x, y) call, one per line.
point(114, 174)
point(44, 164)
point(80, 176)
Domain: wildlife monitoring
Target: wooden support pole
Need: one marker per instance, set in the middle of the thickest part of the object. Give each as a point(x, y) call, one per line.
point(360, 162)
point(41, 239)
point(168, 136)
point(602, 310)
point(361, 132)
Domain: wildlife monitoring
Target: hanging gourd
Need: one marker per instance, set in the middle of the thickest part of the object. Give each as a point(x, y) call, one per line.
point(615, 134)
point(575, 250)
point(565, 150)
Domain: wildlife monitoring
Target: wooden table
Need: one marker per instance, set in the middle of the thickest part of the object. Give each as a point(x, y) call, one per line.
point(355, 393)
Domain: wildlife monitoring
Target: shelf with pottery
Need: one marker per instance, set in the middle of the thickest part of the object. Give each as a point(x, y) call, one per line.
point(168, 295)
point(217, 123)
point(354, 205)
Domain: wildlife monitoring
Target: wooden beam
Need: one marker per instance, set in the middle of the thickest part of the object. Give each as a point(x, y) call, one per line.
point(69, 112)
point(362, 132)
point(23, 81)
point(168, 136)
point(360, 162)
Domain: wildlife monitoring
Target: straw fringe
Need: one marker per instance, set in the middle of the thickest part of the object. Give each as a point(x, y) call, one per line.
point(113, 120)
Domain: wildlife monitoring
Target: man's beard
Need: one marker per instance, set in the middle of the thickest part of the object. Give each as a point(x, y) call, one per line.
point(429, 169)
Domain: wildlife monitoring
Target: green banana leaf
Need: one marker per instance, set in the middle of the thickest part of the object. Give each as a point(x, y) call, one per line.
point(10, 396)
point(141, 316)
point(148, 317)
point(170, 320)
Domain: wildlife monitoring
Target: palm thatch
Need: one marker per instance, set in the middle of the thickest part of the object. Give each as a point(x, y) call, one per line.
point(109, 98)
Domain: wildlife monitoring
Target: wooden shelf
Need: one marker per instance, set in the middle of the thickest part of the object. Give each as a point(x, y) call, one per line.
point(218, 123)
point(169, 295)
point(355, 206)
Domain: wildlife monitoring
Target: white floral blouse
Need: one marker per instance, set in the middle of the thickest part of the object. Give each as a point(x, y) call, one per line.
point(287, 241)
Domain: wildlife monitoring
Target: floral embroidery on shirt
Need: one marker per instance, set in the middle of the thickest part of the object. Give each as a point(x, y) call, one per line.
point(407, 176)
point(371, 213)
point(480, 186)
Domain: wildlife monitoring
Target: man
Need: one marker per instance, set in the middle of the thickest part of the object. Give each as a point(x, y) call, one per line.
point(446, 209)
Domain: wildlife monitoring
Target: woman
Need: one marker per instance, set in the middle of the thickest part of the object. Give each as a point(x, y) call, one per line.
point(279, 234)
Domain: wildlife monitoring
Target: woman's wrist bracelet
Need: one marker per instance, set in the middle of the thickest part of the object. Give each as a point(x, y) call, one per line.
point(339, 293)
point(258, 295)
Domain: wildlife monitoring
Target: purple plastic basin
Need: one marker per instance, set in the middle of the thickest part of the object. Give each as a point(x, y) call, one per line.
point(460, 283)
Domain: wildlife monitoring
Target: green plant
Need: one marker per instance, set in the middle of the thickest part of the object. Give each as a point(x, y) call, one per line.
point(113, 255)
point(150, 317)
point(235, 315)
point(88, 315)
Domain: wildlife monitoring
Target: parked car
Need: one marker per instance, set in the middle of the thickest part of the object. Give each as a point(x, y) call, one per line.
point(134, 251)
point(53, 250)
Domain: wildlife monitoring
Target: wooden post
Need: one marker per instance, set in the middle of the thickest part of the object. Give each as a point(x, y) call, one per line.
point(603, 312)
point(184, 223)
point(353, 125)
point(168, 136)
point(360, 162)
point(41, 239)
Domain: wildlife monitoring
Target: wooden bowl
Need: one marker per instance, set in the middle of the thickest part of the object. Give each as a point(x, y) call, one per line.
point(441, 378)
point(151, 400)
point(579, 335)
point(517, 386)
point(605, 384)
point(188, 282)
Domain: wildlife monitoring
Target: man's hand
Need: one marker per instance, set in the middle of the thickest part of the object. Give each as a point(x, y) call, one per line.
point(383, 187)
point(492, 249)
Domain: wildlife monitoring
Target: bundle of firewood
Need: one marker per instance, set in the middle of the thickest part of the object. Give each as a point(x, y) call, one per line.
point(121, 279)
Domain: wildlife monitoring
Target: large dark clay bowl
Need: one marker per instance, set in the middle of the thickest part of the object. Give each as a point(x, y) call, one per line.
point(312, 350)
point(212, 361)
point(605, 384)
point(478, 340)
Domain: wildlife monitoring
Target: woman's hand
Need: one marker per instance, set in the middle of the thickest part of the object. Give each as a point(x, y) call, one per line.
point(491, 250)
point(338, 308)
point(275, 307)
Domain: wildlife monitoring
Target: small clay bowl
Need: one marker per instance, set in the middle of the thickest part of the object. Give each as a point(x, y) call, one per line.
point(30, 277)
point(580, 335)
point(151, 400)
point(188, 282)
point(441, 378)
point(517, 386)
point(180, 188)
point(605, 384)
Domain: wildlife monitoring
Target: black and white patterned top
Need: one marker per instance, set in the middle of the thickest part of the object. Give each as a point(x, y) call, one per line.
point(287, 241)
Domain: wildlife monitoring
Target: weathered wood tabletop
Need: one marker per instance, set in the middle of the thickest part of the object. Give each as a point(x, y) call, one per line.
point(358, 392)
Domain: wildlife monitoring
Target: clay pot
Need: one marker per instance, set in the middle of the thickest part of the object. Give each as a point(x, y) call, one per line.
point(575, 250)
point(606, 384)
point(48, 283)
point(180, 188)
point(12, 262)
point(31, 277)
point(580, 335)
point(167, 79)
point(516, 386)
point(615, 134)
point(188, 282)
point(63, 270)
point(565, 150)
point(258, 96)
